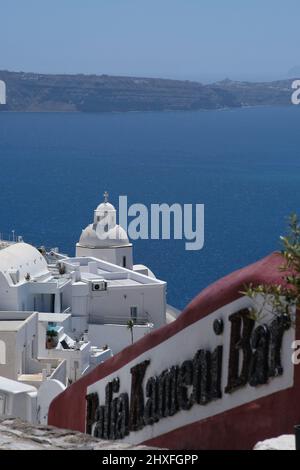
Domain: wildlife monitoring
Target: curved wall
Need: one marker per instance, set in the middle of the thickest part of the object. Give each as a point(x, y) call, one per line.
point(234, 420)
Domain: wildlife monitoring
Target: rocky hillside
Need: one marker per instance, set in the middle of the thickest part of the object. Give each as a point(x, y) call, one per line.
point(93, 93)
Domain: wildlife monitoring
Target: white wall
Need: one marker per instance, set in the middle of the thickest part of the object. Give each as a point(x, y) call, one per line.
point(2, 352)
point(76, 360)
point(8, 295)
point(27, 341)
point(116, 302)
point(46, 394)
point(9, 369)
point(80, 299)
point(21, 347)
point(112, 255)
point(183, 346)
point(117, 337)
point(18, 401)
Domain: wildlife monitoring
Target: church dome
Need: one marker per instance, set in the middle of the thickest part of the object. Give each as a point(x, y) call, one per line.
point(105, 214)
point(21, 260)
point(105, 207)
point(104, 232)
point(92, 237)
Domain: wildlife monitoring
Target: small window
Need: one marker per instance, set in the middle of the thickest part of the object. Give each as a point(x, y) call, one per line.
point(2, 352)
point(2, 404)
point(124, 261)
point(133, 313)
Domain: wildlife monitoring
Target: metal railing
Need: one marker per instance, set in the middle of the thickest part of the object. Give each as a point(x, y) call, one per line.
point(98, 319)
point(67, 310)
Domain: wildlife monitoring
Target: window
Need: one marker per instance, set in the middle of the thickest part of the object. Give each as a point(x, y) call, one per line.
point(23, 370)
point(133, 313)
point(52, 303)
point(124, 261)
point(2, 352)
point(2, 404)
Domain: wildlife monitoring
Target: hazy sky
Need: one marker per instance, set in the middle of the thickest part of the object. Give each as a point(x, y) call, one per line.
point(193, 39)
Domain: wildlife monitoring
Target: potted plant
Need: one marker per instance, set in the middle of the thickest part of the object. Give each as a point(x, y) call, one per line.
point(51, 339)
point(61, 269)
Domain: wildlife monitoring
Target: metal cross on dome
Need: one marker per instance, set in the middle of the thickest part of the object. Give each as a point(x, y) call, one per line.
point(106, 196)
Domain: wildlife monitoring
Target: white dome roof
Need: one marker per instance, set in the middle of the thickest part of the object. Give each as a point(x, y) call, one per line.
point(116, 236)
point(105, 207)
point(24, 259)
point(104, 232)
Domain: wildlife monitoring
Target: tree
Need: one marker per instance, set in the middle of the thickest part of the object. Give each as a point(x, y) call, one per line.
point(130, 326)
point(282, 298)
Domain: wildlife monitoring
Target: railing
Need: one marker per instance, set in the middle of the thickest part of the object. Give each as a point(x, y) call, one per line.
point(67, 310)
point(60, 373)
point(117, 320)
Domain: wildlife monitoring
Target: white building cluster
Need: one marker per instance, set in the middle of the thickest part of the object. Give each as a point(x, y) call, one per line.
point(61, 316)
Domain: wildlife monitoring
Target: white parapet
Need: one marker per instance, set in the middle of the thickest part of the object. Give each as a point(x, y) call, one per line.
point(284, 442)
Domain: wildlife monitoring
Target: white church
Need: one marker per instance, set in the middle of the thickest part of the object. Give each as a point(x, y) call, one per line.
point(60, 316)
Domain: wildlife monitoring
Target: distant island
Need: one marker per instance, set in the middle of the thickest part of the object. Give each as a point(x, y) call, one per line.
point(33, 92)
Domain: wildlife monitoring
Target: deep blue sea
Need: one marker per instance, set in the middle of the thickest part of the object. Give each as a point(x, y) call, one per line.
point(243, 164)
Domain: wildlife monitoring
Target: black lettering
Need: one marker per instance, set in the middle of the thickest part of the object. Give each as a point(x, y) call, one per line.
point(113, 409)
point(185, 379)
point(241, 330)
point(201, 377)
point(259, 366)
point(277, 328)
point(100, 419)
point(92, 405)
point(216, 373)
point(137, 396)
point(167, 392)
point(122, 416)
point(107, 409)
point(151, 406)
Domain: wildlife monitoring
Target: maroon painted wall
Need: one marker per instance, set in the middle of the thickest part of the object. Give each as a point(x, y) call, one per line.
point(239, 428)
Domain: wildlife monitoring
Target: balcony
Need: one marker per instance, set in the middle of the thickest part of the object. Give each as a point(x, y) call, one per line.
point(118, 320)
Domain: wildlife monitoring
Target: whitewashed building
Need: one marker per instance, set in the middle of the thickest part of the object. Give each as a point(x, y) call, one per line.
point(26, 378)
point(61, 316)
point(100, 287)
point(32, 373)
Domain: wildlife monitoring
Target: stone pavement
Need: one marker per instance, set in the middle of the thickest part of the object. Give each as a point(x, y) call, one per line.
point(17, 435)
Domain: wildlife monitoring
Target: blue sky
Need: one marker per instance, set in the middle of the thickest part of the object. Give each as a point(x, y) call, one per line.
point(192, 39)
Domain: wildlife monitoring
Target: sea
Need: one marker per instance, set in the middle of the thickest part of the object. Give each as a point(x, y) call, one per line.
point(242, 164)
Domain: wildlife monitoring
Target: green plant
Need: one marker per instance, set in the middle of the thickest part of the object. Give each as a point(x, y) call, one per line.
point(51, 339)
point(52, 333)
point(130, 326)
point(281, 299)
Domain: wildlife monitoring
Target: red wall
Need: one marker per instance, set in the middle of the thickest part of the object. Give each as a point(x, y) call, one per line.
point(239, 428)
